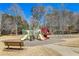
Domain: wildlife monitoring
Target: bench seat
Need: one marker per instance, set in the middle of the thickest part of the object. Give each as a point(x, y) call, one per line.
point(13, 42)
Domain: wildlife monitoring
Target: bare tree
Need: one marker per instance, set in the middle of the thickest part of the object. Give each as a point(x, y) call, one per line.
point(52, 18)
point(38, 13)
point(1, 12)
point(16, 11)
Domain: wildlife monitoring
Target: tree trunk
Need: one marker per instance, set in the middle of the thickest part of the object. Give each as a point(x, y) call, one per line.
point(16, 29)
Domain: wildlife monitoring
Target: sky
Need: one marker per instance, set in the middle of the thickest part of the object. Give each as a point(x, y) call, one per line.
point(26, 7)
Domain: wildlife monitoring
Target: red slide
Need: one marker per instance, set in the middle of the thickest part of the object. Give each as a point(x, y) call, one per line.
point(45, 32)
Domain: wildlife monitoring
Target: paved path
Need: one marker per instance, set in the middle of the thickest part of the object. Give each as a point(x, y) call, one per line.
point(63, 50)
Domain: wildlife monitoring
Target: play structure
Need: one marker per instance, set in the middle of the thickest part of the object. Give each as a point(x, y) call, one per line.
point(40, 34)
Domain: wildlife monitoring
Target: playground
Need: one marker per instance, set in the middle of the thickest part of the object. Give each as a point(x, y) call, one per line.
point(38, 30)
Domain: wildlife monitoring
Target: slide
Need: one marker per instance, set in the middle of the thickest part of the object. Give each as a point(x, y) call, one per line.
point(45, 32)
point(24, 37)
point(42, 37)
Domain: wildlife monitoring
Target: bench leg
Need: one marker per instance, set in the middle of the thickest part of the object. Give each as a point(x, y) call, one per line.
point(8, 46)
point(20, 45)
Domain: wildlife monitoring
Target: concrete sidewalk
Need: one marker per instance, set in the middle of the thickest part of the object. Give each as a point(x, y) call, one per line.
point(63, 50)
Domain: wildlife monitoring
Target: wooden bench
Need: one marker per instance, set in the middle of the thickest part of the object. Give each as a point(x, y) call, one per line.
point(13, 42)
